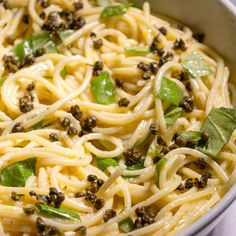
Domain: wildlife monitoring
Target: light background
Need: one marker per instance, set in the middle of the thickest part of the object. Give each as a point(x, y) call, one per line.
point(227, 227)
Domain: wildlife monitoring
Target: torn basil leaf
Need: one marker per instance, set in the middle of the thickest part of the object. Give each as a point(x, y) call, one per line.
point(126, 225)
point(191, 135)
point(103, 3)
point(103, 89)
point(64, 34)
point(110, 11)
point(195, 65)
point(104, 163)
point(136, 3)
point(153, 152)
point(57, 212)
point(43, 40)
point(31, 44)
point(137, 51)
point(22, 50)
point(139, 165)
point(169, 91)
point(172, 114)
point(17, 174)
point(63, 72)
point(158, 169)
point(38, 125)
point(219, 125)
point(2, 80)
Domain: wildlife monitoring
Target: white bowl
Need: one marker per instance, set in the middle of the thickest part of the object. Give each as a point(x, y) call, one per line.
point(217, 19)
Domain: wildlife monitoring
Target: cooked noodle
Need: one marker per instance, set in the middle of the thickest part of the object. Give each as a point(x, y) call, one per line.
point(66, 163)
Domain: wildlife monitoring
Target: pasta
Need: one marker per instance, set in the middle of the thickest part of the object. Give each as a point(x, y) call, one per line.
point(114, 121)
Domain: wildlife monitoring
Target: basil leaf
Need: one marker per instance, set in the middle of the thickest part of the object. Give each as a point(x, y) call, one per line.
point(102, 88)
point(126, 225)
point(153, 152)
point(30, 45)
point(195, 65)
point(22, 50)
point(139, 165)
point(136, 3)
point(2, 80)
point(43, 40)
point(64, 34)
point(219, 124)
point(172, 114)
point(104, 163)
point(114, 10)
point(63, 72)
point(158, 169)
point(137, 51)
point(191, 135)
point(17, 174)
point(169, 91)
point(57, 212)
point(103, 3)
point(38, 125)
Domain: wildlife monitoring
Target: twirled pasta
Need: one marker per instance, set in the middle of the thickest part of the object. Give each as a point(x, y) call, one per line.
point(66, 163)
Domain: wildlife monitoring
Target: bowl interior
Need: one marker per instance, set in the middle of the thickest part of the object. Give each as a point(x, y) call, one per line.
point(215, 18)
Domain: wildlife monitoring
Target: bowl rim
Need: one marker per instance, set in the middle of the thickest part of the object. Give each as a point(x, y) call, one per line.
point(212, 214)
point(230, 196)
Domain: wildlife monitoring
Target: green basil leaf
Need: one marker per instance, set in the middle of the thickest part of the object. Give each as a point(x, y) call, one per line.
point(159, 167)
point(191, 135)
point(22, 50)
point(104, 163)
point(38, 125)
point(153, 152)
point(50, 47)
point(64, 34)
point(2, 80)
point(110, 11)
point(195, 65)
point(137, 51)
point(126, 225)
point(169, 91)
point(30, 45)
point(219, 124)
point(103, 3)
point(63, 72)
point(139, 165)
point(57, 212)
point(172, 114)
point(102, 88)
point(136, 3)
point(17, 174)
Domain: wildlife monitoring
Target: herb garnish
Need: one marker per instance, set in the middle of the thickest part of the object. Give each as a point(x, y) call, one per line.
point(195, 65)
point(169, 91)
point(110, 11)
point(17, 174)
point(219, 125)
point(103, 89)
point(57, 212)
point(159, 167)
point(172, 114)
point(104, 163)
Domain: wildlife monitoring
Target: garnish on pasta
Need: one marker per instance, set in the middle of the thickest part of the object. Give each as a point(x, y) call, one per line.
point(112, 120)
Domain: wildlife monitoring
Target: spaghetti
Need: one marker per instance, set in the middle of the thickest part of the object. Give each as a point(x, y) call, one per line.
point(114, 121)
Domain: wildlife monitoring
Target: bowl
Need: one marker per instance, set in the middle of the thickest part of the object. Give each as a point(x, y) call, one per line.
point(217, 20)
